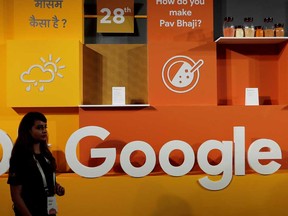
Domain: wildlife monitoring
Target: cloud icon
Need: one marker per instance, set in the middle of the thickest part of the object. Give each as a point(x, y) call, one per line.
point(38, 75)
point(47, 76)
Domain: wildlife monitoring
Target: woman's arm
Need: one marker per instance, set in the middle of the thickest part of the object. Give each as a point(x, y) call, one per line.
point(15, 191)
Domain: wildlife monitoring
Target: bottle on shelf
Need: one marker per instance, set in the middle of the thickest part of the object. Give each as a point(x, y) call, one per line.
point(239, 32)
point(249, 30)
point(259, 32)
point(268, 27)
point(279, 30)
point(228, 27)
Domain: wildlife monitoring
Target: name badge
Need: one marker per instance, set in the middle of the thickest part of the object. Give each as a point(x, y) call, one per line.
point(52, 205)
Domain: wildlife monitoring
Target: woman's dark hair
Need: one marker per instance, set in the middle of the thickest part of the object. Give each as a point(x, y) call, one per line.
point(24, 142)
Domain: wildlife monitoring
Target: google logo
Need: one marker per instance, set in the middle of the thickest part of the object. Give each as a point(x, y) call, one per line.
point(233, 157)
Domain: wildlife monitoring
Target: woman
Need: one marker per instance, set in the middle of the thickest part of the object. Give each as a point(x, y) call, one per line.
point(32, 169)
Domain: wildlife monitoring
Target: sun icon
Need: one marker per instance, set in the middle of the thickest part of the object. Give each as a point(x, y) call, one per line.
point(52, 64)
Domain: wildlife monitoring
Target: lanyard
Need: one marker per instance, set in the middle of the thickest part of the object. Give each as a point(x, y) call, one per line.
point(43, 175)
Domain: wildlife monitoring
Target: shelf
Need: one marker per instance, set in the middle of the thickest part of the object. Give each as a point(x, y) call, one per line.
point(252, 63)
point(113, 106)
point(258, 40)
point(135, 16)
point(108, 65)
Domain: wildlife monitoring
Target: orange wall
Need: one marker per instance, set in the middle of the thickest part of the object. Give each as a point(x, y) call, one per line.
point(166, 42)
point(192, 124)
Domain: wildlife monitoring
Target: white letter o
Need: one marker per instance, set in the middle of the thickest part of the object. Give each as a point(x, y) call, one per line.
point(126, 163)
point(7, 146)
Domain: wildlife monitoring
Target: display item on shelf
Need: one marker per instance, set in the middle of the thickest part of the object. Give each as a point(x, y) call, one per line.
point(268, 27)
point(239, 32)
point(259, 32)
point(279, 30)
point(228, 27)
point(249, 30)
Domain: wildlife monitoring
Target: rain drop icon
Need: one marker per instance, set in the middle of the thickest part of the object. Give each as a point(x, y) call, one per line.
point(41, 88)
point(28, 88)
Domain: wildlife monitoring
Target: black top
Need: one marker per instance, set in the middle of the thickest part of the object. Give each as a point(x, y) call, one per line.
point(24, 171)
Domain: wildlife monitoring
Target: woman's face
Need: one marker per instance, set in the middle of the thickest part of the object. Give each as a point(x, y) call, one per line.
point(39, 131)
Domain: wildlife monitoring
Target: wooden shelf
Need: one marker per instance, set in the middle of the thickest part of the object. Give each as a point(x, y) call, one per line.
point(258, 40)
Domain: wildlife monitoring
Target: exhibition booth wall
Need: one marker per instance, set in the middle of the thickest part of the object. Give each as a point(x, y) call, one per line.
point(180, 139)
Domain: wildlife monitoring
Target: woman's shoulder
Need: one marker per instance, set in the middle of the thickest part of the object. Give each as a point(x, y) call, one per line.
point(20, 157)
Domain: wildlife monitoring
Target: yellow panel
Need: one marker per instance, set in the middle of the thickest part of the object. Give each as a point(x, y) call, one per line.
point(48, 20)
point(2, 21)
point(43, 73)
point(5, 32)
point(252, 194)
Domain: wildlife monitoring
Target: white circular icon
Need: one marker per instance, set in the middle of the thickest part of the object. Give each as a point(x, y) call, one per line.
point(181, 74)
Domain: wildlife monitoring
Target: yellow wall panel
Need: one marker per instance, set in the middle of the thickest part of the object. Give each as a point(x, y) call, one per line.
point(2, 21)
point(164, 195)
point(48, 20)
point(43, 73)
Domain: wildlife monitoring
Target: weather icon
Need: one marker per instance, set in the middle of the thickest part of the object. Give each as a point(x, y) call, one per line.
point(39, 75)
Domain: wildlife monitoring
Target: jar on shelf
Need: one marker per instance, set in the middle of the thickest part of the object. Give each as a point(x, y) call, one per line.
point(279, 30)
point(259, 32)
point(249, 30)
point(239, 32)
point(228, 27)
point(268, 27)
